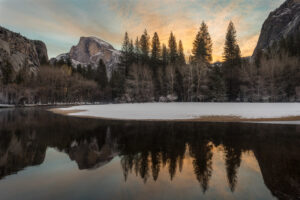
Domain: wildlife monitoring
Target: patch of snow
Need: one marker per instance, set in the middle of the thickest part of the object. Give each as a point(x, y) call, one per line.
point(286, 11)
point(74, 144)
point(102, 42)
point(278, 122)
point(6, 106)
point(177, 111)
point(62, 56)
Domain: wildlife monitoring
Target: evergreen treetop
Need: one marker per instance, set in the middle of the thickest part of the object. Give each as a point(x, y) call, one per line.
point(202, 46)
point(231, 50)
point(155, 53)
point(145, 46)
point(172, 49)
point(164, 54)
point(181, 56)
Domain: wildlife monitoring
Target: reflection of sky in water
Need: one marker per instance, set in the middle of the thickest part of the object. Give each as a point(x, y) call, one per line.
point(59, 178)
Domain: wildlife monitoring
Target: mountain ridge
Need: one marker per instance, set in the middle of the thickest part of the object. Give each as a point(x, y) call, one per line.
point(281, 23)
point(89, 51)
point(19, 51)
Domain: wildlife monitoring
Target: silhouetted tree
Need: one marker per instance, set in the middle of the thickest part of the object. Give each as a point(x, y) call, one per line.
point(101, 75)
point(232, 63)
point(137, 50)
point(172, 49)
point(126, 54)
point(165, 55)
point(202, 46)
point(145, 47)
point(181, 56)
point(155, 53)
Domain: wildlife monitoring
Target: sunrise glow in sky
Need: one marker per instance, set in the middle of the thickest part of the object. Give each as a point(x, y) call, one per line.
point(60, 23)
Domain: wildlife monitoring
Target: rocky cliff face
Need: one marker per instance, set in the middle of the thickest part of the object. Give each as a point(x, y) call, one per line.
point(89, 51)
point(281, 23)
point(19, 51)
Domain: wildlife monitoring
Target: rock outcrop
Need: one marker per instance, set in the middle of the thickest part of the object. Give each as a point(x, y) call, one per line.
point(18, 51)
point(281, 23)
point(89, 51)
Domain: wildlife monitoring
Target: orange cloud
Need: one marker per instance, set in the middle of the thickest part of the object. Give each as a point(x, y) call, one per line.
point(65, 22)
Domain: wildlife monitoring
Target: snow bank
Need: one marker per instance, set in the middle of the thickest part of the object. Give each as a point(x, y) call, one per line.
point(177, 111)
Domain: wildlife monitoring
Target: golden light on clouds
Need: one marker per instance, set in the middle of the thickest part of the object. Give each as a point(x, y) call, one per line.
point(60, 23)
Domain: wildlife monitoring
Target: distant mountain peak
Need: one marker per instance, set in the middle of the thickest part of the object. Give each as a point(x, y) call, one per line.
point(90, 50)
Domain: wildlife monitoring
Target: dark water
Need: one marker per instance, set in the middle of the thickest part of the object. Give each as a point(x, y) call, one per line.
point(47, 156)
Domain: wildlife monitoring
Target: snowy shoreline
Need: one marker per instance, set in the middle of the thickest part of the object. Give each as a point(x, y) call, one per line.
point(222, 112)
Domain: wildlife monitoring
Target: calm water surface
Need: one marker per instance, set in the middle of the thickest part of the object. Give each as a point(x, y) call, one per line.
point(48, 156)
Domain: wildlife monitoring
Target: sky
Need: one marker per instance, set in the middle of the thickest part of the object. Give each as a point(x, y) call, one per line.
point(60, 23)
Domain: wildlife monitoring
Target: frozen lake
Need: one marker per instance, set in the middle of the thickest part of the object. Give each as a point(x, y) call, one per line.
point(187, 111)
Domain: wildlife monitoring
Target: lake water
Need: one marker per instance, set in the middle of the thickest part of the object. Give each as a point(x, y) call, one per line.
point(48, 156)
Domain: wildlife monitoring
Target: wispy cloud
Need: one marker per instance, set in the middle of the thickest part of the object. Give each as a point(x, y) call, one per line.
point(60, 23)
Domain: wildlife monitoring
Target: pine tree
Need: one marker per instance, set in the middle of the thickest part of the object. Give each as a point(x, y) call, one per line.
point(117, 83)
point(145, 47)
point(89, 73)
point(181, 56)
point(131, 53)
point(172, 49)
point(164, 58)
point(216, 85)
point(137, 50)
point(202, 46)
point(101, 75)
point(125, 58)
point(232, 63)
point(155, 56)
point(155, 53)
point(164, 55)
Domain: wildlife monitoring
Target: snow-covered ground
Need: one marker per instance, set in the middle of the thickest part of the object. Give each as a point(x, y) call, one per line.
point(6, 106)
point(184, 111)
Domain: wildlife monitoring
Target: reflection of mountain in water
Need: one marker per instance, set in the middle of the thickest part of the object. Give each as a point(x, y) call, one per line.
point(145, 148)
point(18, 151)
point(91, 152)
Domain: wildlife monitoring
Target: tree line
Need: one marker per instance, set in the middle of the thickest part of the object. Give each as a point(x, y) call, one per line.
point(50, 84)
point(152, 71)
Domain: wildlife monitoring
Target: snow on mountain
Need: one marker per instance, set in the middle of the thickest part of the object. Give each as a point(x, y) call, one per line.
point(89, 51)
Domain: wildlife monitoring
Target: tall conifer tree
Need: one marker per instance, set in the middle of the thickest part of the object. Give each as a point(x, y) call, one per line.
point(145, 46)
point(137, 50)
point(181, 56)
point(164, 55)
point(101, 75)
point(125, 58)
point(232, 63)
point(155, 53)
point(172, 49)
point(202, 46)
point(131, 52)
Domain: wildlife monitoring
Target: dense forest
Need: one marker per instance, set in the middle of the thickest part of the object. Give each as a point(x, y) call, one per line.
point(150, 71)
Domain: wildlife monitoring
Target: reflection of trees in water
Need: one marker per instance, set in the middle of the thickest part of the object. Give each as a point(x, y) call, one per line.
point(167, 145)
point(201, 151)
point(146, 148)
point(156, 162)
point(232, 162)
